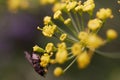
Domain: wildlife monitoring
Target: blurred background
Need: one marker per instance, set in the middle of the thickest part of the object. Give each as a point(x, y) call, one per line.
point(18, 22)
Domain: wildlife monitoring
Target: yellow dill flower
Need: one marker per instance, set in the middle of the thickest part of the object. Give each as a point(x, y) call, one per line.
point(48, 30)
point(67, 21)
point(104, 13)
point(13, 5)
point(58, 71)
point(57, 14)
point(94, 41)
point(83, 36)
point(83, 60)
point(88, 5)
point(71, 5)
point(76, 49)
point(47, 19)
point(94, 24)
point(63, 36)
point(59, 6)
point(49, 47)
point(79, 8)
point(36, 48)
point(61, 46)
point(61, 56)
point(44, 60)
point(111, 34)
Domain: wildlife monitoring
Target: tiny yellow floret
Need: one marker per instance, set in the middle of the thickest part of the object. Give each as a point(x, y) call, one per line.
point(76, 49)
point(61, 56)
point(48, 30)
point(67, 21)
point(71, 5)
point(111, 34)
point(36, 48)
point(63, 36)
point(59, 6)
point(57, 14)
point(79, 8)
point(94, 24)
point(61, 46)
point(88, 6)
point(47, 19)
point(104, 13)
point(49, 47)
point(83, 60)
point(94, 41)
point(44, 60)
point(58, 71)
point(83, 36)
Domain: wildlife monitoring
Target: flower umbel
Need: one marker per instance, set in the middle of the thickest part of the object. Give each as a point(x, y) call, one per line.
point(77, 39)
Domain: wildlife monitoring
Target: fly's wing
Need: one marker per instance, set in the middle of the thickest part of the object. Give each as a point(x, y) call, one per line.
point(28, 57)
point(34, 59)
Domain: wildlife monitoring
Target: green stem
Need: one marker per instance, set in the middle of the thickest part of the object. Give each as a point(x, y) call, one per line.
point(73, 22)
point(71, 29)
point(100, 28)
point(82, 22)
point(69, 36)
point(70, 65)
point(77, 21)
point(71, 57)
point(110, 55)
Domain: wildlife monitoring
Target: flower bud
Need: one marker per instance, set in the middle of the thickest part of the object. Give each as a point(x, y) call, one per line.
point(58, 71)
point(111, 34)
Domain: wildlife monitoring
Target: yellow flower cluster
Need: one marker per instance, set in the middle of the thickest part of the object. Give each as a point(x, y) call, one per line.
point(77, 40)
point(104, 13)
point(88, 6)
